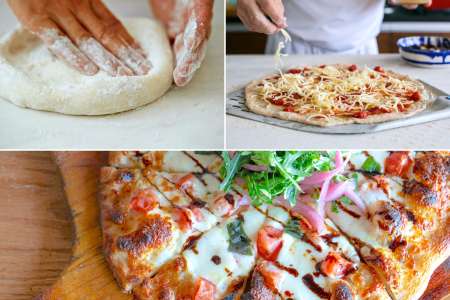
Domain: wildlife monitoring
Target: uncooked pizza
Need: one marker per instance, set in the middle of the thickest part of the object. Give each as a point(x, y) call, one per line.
point(275, 224)
point(329, 95)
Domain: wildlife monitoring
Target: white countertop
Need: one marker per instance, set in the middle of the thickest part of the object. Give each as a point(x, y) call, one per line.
point(185, 118)
point(247, 134)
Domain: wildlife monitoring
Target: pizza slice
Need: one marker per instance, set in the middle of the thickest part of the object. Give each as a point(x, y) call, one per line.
point(403, 234)
point(295, 262)
point(168, 161)
point(148, 217)
point(213, 267)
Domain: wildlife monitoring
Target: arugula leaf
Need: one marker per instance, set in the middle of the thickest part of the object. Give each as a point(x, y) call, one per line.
point(284, 169)
point(293, 228)
point(371, 165)
point(290, 194)
point(238, 239)
point(231, 167)
point(334, 207)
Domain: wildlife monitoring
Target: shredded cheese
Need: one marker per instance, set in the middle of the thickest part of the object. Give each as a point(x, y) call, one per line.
point(339, 90)
point(281, 45)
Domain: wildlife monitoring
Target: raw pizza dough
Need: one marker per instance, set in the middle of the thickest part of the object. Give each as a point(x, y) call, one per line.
point(30, 76)
point(258, 105)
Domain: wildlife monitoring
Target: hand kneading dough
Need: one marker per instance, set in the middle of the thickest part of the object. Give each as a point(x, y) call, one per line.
point(30, 76)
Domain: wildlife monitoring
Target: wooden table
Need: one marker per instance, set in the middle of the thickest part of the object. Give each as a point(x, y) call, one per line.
point(37, 235)
point(247, 134)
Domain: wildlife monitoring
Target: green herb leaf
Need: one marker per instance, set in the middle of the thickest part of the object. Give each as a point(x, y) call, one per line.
point(238, 239)
point(334, 207)
point(293, 228)
point(370, 165)
point(346, 200)
point(231, 167)
point(290, 194)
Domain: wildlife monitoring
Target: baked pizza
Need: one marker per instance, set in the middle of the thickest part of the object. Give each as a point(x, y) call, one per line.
point(329, 95)
point(275, 224)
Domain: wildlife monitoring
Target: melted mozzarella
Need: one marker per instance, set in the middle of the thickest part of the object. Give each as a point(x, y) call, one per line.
point(215, 242)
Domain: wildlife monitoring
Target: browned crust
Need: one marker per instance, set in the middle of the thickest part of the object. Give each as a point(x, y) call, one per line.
point(172, 282)
point(259, 106)
point(155, 232)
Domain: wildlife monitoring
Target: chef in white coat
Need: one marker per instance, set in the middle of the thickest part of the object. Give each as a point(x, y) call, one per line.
point(317, 26)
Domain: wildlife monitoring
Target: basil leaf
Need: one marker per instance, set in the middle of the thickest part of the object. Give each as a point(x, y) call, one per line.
point(370, 165)
point(334, 207)
point(238, 239)
point(293, 228)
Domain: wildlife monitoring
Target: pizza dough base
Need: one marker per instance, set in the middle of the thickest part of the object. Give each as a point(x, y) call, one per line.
point(259, 106)
point(30, 76)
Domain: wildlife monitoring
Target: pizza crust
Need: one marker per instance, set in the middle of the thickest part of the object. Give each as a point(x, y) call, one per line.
point(262, 107)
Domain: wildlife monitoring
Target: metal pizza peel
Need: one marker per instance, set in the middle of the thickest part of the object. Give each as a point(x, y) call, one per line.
point(440, 109)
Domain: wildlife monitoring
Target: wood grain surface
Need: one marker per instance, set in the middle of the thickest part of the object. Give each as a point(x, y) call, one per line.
point(37, 235)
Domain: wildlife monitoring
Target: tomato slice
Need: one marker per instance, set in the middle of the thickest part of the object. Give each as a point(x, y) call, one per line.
point(144, 201)
point(270, 274)
point(223, 207)
point(352, 68)
point(183, 219)
point(335, 265)
point(269, 243)
point(185, 181)
point(204, 289)
point(378, 69)
point(398, 164)
point(414, 96)
point(295, 71)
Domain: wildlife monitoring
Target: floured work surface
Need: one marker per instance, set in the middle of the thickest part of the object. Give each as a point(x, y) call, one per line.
point(439, 110)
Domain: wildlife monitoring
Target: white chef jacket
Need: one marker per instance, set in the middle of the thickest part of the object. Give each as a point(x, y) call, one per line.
point(331, 26)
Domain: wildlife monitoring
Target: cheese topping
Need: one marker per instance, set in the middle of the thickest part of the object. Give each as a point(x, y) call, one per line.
point(339, 90)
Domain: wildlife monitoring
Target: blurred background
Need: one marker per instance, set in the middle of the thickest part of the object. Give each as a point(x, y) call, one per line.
point(398, 22)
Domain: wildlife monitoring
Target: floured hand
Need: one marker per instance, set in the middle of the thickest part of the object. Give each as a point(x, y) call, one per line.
point(188, 23)
point(84, 34)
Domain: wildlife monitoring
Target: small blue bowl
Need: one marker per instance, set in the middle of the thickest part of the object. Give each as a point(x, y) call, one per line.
point(418, 50)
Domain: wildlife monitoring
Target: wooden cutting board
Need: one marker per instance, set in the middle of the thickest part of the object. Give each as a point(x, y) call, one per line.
point(41, 257)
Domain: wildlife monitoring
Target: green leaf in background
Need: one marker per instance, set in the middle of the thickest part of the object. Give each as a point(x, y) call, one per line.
point(370, 165)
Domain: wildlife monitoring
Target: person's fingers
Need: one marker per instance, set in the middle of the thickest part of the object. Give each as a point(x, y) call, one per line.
point(190, 45)
point(105, 28)
point(188, 62)
point(275, 10)
point(62, 47)
point(203, 12)
point(104, 13)
point(172, 13)
point(254, 19)
point(86, 43)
